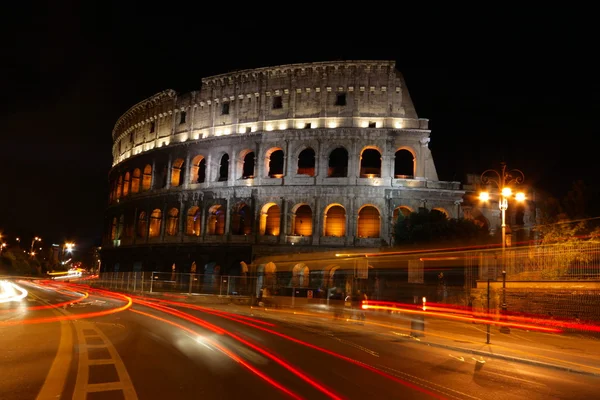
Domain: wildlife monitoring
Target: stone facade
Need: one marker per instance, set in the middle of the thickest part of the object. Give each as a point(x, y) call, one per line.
point(318, 155)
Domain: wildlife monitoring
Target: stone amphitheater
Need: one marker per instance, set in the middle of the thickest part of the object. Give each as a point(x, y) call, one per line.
point(280, 159)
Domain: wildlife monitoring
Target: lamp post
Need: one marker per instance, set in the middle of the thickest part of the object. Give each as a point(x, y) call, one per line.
point(503, 180)
point(2, 246)
point(35, 239)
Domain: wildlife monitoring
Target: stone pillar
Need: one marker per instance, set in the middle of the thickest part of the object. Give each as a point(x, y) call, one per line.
point(182, 219)
point(135, 219)
point(317, 228)
point(187, 175)
point(163, 223)
point(151, 175)
point(283, 221)
point(227, 215)
point(148, 215)
point(169, 166)
point(203, 219)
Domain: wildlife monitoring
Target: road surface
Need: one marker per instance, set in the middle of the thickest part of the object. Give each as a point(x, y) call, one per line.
point(66, 341)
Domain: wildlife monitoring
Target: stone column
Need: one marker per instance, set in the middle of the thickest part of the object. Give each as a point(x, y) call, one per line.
point(317, 228)
point(182, 215)
point(227, 215)
point(203, 219)
point(187, 175)
point(169, 166)
point(283, 221)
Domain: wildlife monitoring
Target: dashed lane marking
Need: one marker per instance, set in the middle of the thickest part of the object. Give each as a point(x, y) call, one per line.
point(57, 375)
point(91, 371)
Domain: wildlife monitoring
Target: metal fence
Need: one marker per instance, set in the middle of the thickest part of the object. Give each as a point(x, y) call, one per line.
point(159, 282)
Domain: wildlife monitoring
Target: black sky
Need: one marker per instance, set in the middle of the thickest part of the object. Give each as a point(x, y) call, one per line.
point(71, 74)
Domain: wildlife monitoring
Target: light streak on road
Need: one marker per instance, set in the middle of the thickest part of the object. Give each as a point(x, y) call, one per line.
point(11, 292)
point(253, 346)
point(323, 350)
point(228, 353)
point(44, 320)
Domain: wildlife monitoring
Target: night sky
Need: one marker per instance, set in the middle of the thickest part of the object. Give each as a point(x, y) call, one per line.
point(69, 79)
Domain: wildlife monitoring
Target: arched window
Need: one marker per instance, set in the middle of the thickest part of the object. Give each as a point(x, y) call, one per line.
point(198, 174)
point(177, 172)
point(126, 182)
point(216, 220)
point(335, 221)
point(113, 229)
point(155, 221)
point(401, 209)
point(306, 162)
point(147, 179)
point(369, 222)
point(370, 164)
point(303, 221)
point(135, 180)
point(276, 164)
point(338, 163)
point(300, 275)
point(404, 164)
point(119, 186)
point(241, 220)
point(193, 222)
point(142, 225)
point(270, 219)
point(173, 222)
point(248, 167)
point(224, 168)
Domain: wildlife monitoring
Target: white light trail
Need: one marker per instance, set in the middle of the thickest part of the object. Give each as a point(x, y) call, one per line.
point(11, 292)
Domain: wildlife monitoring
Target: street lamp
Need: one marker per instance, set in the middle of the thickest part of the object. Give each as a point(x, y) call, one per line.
point(2, 246)
point(35, 239)
point(503, 180)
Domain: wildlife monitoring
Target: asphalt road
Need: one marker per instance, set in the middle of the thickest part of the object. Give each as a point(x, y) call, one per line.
point(103, 345)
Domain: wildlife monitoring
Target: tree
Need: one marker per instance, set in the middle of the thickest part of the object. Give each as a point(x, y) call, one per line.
point(18, 263)
point(432, 226)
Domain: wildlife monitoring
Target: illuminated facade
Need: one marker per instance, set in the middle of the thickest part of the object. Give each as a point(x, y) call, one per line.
point(318, 155)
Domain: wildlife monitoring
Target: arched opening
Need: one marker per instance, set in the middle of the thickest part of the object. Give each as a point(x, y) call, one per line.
point(172, 222)
point(142, 225)
point(177, 172)
point(155, 221)
point(270, 220)
point(248, 167)
point(113, 229)
point(306, 162)
point(338, 163)
point(335, 221)
point(119, 186)
point(300, 275)
point(369, 222)
point(404, 164)
point(224, 168)
point(147, 179)
point(370, 164)
point(276, 164)
point(303, 221)
point(192, 227)
point(401, 209)
point(160, 176)
point(442, 211)
point(216, 220)
point(270, 273)
point(135, 181)
point(198, 170)
point(241, 221)
point(126, 183)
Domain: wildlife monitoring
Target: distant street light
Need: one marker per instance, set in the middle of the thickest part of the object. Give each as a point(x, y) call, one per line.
point(502, 180)
point(35, 239)
point(2, 246)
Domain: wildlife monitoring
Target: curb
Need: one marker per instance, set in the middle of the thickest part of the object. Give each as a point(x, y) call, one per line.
point(508, 358)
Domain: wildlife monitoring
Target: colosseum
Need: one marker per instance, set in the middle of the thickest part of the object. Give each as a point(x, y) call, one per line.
point(283, 159)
